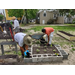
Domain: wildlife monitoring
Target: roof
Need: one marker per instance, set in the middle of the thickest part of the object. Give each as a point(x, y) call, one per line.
point(51, 10)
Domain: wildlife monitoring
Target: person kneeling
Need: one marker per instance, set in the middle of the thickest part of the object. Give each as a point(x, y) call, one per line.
point(23, 41)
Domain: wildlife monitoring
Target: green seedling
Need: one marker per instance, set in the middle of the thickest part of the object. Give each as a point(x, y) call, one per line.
point(45, 43)
point(45, 46)
point(37, 50)
point(51, 45)
point(71, 45)
point(45, 50)
point(73, 49)
point(54, 50)
point(56, 53)
point(38, 46)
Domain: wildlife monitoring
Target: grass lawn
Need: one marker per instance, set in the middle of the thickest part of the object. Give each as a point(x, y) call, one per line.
point(64, 28)
point(70, 24)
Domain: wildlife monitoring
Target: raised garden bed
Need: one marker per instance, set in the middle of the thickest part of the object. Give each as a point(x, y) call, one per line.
point(66, 35)
point(44, 54)
point(8, 59)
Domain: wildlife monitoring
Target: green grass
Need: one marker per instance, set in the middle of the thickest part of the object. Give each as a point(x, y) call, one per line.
point(69, 24)
point(22, 25)
point(64, 28)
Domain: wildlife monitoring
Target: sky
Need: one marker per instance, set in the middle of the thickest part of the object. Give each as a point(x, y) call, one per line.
point(1, 11)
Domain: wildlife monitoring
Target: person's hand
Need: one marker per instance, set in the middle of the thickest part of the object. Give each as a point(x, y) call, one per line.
point(25, 52)
point(47, 43)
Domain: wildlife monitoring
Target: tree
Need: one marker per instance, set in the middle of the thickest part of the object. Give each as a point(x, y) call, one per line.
point(16, 12)
point(64, 11)
point(30, 14)
point(1, 17)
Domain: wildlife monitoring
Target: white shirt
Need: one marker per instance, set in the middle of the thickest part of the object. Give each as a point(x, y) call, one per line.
point(16, 23)
point(18, 37)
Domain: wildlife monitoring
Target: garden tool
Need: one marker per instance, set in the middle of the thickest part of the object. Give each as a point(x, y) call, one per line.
point(39, 37)
point(1, 28)
point(11, 33)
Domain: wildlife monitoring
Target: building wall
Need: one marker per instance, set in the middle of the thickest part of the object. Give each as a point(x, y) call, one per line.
point(48, 16)
point(60, 20)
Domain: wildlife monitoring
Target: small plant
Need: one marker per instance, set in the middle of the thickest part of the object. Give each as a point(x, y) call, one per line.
point(45, 46)
point(54, 50)
point(56, 53)
point(71, 45)
point(38, 46)
point(45, 43)
point(51, 45)
point(37, 50)
point(45, 50)
point(38, 42)
point(73, 49)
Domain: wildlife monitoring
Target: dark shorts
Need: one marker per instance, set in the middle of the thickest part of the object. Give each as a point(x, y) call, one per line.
point(17, 29)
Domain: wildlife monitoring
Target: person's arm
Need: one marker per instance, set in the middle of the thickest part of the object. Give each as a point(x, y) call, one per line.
point(14, 25)
point(21, 48)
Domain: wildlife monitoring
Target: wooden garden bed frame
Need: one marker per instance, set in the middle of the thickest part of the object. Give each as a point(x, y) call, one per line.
point(72, 37)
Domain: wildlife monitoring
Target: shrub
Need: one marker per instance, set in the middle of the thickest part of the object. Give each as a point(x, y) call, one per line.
point(73, 21)
point(50, 21)
point(1, 17)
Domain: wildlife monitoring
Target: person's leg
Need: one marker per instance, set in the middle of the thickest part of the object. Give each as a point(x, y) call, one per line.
point(51, 36)
point(22, 51)
point(46, 39)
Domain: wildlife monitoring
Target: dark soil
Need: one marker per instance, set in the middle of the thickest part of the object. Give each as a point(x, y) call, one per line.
point(8, 56)
point(49, 50)
point(66, 33)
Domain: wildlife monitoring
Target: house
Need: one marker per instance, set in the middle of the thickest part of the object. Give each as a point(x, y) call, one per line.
point(68, 19)
point(49, 16)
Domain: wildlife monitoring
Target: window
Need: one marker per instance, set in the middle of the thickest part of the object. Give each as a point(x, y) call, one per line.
point(44, 14)
point(54, 15)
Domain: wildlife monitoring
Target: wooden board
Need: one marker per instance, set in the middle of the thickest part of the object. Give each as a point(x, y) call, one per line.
point(66, 36)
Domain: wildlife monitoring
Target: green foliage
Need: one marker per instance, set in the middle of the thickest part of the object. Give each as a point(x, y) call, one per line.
point(45, 46)
point(54, 50)
point(45, 50)
point(38, 42)
point(50, 21)
point(51, 45)
point(19, 52)
point(70, 11)
point(73, 49)
point(71, 45)
point(31, 13)
point(37, 50)
point(56, 53)
point(73, 21)
point(38, 46)
point(1, 17)
point(15, 12)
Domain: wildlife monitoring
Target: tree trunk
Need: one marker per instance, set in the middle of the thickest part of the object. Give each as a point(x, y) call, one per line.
point(26, 16)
